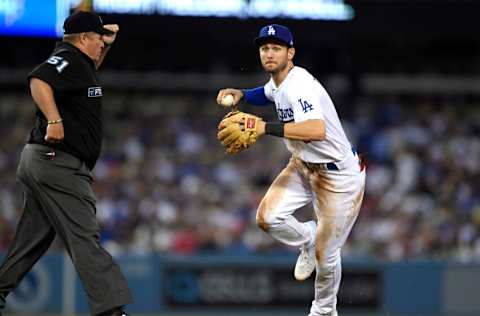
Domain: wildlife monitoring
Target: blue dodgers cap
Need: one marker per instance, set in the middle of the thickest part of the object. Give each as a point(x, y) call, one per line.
point(275, 31)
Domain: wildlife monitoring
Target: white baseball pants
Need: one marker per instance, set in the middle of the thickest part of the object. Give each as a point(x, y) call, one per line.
point(337, 196)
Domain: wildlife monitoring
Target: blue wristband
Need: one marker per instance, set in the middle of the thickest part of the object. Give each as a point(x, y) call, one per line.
point(256, 96)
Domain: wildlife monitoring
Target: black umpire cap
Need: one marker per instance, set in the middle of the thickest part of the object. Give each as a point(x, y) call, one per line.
point(83, 21)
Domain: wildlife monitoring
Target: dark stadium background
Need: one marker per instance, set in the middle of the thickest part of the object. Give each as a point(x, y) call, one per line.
point(405, 77)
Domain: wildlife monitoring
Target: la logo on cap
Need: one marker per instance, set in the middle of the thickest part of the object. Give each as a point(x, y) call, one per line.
point(271, 30)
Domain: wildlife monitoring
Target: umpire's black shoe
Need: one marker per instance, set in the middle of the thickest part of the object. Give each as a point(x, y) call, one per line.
point(114, 312)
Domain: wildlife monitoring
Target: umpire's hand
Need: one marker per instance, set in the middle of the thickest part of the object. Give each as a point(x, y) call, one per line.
point(54, 133)
point(109, 39)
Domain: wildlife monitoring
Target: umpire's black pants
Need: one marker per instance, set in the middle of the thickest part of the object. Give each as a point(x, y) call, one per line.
point(59, 200)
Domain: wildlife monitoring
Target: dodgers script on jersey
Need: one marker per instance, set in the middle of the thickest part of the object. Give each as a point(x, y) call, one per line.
point(301, 97)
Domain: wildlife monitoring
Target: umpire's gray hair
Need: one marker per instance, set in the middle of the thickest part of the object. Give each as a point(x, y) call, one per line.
point(71, 38)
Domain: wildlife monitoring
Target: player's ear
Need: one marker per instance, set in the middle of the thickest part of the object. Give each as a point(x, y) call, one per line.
point(291, 53)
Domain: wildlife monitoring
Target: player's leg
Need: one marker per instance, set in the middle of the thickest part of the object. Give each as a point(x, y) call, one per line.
point(33, 237)
point(338, 197)
point(288, 192)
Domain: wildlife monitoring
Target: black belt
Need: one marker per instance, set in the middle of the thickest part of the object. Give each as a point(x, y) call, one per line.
point(312, 166)
point(331, 166)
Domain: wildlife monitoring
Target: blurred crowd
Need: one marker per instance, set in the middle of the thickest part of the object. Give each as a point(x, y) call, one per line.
point(164, 184)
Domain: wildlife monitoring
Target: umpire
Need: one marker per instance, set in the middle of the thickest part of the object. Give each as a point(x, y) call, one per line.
point(55, 168)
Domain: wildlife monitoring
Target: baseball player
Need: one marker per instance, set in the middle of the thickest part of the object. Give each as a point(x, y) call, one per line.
point(324, 168)
point(55, 168)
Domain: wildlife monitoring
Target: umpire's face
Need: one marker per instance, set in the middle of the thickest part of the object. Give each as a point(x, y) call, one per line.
point(93, 44)
point(275, 56)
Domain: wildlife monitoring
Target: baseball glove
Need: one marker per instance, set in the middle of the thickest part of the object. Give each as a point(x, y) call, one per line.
point(237, 131)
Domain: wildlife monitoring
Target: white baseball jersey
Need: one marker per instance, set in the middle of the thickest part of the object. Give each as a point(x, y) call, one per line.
point(336, 193)
point(301, 97)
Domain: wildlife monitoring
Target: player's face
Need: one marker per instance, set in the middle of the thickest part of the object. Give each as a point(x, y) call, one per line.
point(93, 45)
point(274, 57)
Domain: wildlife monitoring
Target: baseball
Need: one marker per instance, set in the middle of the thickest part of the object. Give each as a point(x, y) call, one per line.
point(227, 101)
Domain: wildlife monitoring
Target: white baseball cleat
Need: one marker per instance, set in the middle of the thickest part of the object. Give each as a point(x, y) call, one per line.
point(333, 313)
point(306, 261)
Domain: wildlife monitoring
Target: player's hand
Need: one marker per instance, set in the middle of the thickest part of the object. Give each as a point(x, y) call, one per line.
point(55, 133)
point(259, 127)
point(109, 39)
point(237, 95)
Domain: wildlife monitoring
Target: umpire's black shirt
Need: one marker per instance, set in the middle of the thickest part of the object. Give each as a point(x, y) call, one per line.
point(78, 95)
